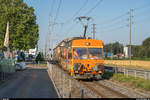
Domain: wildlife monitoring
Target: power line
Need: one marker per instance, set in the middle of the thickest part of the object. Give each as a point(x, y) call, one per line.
point(70, 29)
point(141, 13)
point(143, 20)
point(87, 12)
point(99, 2)
point(115, 18)
point(57, 13)
point(120, 27)
point(52, 6)
point(142, 7)
point(58, 9)
point(112, 24)
point(127, 13)
point(77, 12)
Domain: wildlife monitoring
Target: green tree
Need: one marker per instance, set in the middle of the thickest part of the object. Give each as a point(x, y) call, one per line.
point(114, 48)
point(146, 43)
point(146, 47)
point(23, 30)
point(136, 50)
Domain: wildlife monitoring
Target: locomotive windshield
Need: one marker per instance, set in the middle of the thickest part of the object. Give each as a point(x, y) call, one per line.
point(95, 53)
point(80, 53)
point(90, 53)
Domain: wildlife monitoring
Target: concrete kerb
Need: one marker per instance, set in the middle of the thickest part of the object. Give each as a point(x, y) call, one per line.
point(53, 84)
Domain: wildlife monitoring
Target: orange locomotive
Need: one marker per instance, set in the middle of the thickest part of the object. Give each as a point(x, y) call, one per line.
point(82, 58)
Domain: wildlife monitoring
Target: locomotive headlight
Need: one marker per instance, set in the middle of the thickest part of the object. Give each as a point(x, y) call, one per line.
point(77, 66)
point(87, 43)
point(97, 67)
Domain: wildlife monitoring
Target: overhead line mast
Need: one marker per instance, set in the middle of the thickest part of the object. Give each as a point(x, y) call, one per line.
point(50, 29)
point(94, 31)
point(130, 26)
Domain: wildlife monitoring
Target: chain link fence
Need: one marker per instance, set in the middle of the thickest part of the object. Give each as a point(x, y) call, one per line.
point(7, 67)
point(65, 85)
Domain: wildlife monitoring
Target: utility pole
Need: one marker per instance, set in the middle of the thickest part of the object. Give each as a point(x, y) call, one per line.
point(94, 31)
point(50, 34)
point(130, 26)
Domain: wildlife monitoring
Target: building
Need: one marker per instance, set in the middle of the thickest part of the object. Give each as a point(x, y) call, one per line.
point(126, 52)
point(33, 51)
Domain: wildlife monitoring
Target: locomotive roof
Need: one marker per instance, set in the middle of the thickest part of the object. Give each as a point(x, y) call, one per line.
point(69, 39)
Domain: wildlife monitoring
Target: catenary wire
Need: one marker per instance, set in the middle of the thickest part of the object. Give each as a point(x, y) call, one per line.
point(78, 11)
point(94, 7)
point(57, 12)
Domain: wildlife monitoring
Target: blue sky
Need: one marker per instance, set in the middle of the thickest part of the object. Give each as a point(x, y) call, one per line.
point(110, 16)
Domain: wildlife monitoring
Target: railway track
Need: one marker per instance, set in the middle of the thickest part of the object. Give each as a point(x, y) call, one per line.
point(102, 91)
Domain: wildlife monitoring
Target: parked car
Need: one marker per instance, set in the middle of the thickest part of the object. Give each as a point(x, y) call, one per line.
point(28, 59)
point(20, 66)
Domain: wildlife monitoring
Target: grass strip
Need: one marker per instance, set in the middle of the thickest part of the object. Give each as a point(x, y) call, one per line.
point(130, 80)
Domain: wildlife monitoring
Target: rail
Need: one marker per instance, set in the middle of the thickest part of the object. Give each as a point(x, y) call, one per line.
point(103, 91)
point(67, 87)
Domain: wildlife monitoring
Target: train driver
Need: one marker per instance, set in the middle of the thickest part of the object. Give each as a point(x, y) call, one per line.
point(75, 54)
point(93, 56)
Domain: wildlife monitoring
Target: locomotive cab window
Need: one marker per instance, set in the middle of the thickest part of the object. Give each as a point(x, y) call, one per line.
point(80, 53)
point(95, 53)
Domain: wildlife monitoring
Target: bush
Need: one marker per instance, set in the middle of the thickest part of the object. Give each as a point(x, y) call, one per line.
point(39, 57)
point(107, 75)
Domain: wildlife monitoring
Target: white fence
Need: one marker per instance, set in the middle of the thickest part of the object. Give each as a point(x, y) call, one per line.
point(129, 71)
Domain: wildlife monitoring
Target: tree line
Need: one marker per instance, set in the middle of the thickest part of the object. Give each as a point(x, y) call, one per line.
point(140, 51)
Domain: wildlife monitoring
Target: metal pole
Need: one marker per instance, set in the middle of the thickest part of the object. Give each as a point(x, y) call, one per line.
point(61, 83)
point(70, 88)
point(94, 31)
point(85, 30)
point(63, 86)
point(111, 51)
point(82, 93)
point(45, 49)
point(130, 26)
point(50, 33)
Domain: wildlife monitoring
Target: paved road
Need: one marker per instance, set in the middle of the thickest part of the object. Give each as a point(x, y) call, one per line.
point(30, 83)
